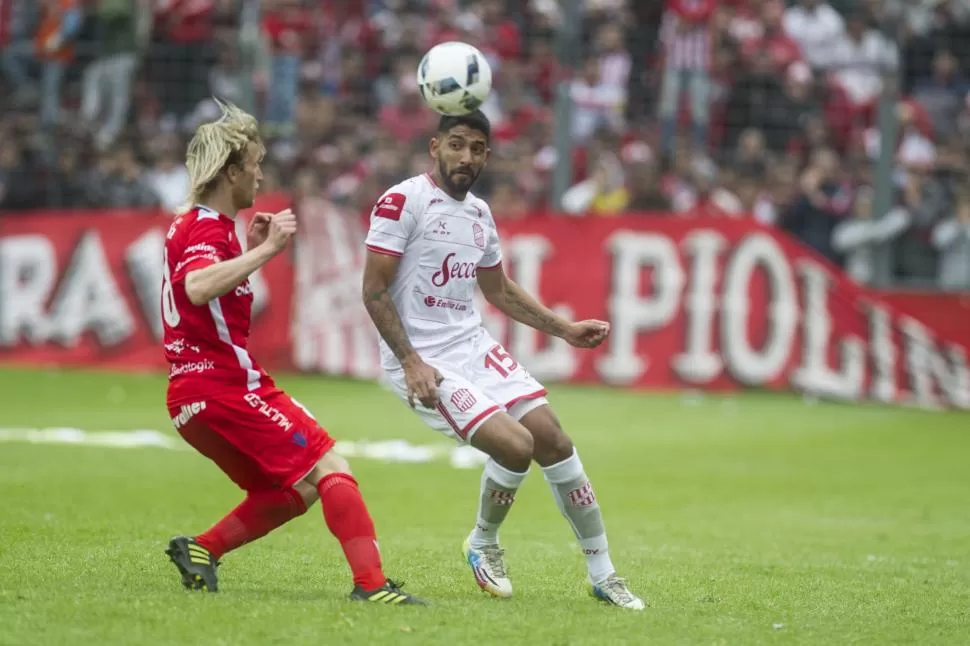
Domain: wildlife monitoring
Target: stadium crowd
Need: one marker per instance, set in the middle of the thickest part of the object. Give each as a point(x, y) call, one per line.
point(734, 108)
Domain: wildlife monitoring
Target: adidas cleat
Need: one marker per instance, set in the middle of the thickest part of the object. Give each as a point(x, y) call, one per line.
point(390, 593)
point(615, 591)
point(194, 563)
point(488, 566)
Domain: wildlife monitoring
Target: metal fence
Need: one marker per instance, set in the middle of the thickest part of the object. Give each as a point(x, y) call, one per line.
point(744, 108)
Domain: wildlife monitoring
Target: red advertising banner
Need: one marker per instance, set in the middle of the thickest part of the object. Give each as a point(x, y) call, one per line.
point(708, 304)
point(84, 288)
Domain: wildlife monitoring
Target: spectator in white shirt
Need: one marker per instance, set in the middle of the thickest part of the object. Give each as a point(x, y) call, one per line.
point(860, 237)
point(860, 57)
point(951, 237)
point(595, 103)
point(816, 27)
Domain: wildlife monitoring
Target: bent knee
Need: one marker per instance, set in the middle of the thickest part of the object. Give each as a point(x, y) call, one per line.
point(330, 463)
point(516, 451)
point(552, 445)
point(558, 448)
point(522, 445)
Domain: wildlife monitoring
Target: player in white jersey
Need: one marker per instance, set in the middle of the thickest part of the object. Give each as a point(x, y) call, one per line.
point(431, 242)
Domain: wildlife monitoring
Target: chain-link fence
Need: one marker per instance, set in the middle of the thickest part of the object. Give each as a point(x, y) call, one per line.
point(731, 108)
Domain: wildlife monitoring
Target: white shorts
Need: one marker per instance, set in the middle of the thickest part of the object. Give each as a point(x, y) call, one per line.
point(480, 380)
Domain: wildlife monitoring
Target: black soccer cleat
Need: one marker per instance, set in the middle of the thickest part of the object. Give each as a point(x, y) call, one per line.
point(194, 563)
point(390, 593)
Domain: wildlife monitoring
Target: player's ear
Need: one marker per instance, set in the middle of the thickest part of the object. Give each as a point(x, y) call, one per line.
point(232, 172)
point(433, 148)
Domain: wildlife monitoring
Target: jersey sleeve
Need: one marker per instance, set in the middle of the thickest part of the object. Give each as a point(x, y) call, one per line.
point(206, 244)
point(493, 249)
point(391, 222)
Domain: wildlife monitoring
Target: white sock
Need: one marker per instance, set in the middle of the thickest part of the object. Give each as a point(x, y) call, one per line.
point(577, 502)
point(497, 494)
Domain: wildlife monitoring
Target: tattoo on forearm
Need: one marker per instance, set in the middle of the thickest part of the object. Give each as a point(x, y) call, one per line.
point(388, 322)
point(525, 309)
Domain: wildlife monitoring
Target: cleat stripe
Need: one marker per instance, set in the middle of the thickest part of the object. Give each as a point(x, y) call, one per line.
point(379, 595)
point(399, 599)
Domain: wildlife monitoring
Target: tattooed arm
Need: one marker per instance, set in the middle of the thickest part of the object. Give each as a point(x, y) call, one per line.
point(379, 272)
point(505, 294)
point(422, 380)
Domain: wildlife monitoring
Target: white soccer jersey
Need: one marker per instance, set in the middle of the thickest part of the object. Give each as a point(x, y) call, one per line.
point(443, 244)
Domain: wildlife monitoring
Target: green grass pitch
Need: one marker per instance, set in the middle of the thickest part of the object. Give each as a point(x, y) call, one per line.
point(754, 519)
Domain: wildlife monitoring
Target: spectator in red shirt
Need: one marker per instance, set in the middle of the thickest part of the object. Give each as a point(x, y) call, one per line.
point(185, 53)
point(409, 117)
point(783, 50)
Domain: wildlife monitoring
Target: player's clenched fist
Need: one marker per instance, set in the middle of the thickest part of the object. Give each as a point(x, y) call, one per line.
point(422, 381)
point(587, 334)
point(282, 226)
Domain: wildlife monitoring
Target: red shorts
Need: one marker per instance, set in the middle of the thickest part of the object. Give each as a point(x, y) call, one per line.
point(262, 439)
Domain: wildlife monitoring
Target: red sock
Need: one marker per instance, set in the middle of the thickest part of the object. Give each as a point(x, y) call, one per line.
point(257, 515)
point(350, 522)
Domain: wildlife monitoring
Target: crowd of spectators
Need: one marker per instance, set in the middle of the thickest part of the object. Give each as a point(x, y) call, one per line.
point(725, 108)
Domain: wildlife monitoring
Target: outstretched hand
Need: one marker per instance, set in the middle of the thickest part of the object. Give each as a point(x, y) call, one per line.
point(587, 334)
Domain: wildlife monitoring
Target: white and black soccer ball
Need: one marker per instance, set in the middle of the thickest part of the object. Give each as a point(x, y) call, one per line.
point(454, 78)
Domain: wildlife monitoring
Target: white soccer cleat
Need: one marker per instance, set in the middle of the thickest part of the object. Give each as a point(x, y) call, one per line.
point(615, 591)
point(488, 566)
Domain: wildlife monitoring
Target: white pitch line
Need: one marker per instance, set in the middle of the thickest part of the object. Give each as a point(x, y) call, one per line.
point(460, 457)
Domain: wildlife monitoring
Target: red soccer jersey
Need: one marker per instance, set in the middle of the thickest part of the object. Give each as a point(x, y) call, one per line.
point(205, 345)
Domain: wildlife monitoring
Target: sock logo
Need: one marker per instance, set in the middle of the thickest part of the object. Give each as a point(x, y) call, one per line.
point(501, 497)
point(582, 497)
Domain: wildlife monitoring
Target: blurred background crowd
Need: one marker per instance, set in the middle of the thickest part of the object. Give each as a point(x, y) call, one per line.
point(773, 110)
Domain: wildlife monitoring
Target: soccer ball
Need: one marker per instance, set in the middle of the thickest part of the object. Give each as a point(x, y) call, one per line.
point(454, 78)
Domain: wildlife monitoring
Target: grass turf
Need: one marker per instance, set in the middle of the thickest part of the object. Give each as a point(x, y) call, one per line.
point(755, 519)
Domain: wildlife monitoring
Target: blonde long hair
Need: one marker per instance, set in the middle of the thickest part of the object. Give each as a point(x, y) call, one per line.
point(216, 145)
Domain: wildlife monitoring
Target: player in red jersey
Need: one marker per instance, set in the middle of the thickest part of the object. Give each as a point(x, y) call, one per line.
point(220, 400)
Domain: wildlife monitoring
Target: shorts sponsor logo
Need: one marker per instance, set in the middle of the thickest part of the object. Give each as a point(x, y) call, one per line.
point(187, 412)
point(582, 497)
point(463, 399)
point(192, 367)
point(271, 413)
point(245, 289)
